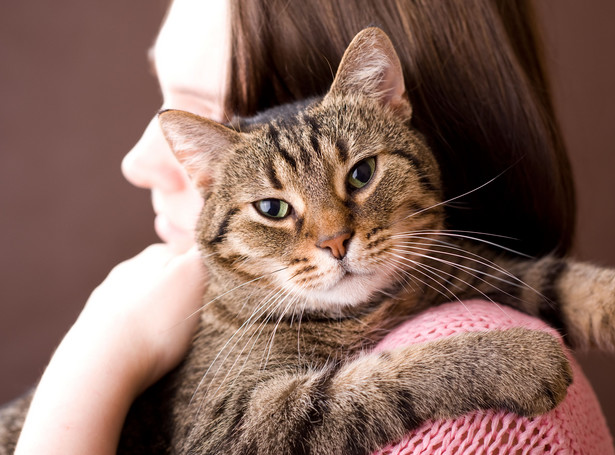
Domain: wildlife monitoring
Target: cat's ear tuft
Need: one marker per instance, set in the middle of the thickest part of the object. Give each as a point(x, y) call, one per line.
point(197, 142)
point(370, 66)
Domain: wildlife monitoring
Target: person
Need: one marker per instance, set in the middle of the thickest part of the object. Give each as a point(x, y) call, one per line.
point(476, 80)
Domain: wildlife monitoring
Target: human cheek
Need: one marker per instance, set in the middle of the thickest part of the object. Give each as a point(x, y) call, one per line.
point(151, 164)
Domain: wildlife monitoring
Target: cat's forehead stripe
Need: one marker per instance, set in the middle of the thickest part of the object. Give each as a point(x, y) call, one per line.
point(273, 177)
point(341, 145)
point(295, 147)
point(295, 137)
point(315, 143)
point(305, 157)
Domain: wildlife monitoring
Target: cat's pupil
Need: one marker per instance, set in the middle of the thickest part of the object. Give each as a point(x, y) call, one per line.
point(361, 174)
point(273, 208)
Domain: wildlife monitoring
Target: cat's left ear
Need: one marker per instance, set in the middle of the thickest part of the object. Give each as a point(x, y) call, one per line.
point(197, 142)
point(370, 66)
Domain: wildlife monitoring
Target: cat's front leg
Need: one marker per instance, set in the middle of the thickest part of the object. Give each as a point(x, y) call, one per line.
point(375, 399)
point(587, 299)
point(576, 298)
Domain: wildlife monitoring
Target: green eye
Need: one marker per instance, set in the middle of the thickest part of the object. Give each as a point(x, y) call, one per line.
point(273, 208)
point(361, 174)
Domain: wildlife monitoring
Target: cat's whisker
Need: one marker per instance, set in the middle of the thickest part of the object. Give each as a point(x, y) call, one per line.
point(202, 307)
point(258, 334)
point(288, 306)
point(458, 234)
point(477, 289)
point(461, 231)
point(413, 267)
point(430, 242)
point(245, 326)
point(410, 247)
point(476, 258)
point(401, 273)
point(261, 310)
point(454, 198)
point(408, 272)
point(470, 271)
point(438, 272)
point(433, 271)
point(276, 303)
point(254, 339)
point(304, 304)
point(275, 328)
point(516, 281)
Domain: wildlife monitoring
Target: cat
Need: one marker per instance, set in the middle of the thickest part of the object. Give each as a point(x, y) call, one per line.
point(323, 227)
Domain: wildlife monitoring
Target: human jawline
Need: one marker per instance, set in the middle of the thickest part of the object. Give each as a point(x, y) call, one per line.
point(178, 239)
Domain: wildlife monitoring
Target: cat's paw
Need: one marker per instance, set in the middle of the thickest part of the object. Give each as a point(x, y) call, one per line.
point(540, 382)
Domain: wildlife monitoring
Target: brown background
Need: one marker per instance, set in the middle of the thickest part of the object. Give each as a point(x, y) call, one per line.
point(75, 96)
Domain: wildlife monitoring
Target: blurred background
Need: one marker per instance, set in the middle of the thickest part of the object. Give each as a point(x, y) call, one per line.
point(76, 94)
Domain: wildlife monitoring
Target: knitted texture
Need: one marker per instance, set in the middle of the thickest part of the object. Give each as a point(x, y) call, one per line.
point(576, 426)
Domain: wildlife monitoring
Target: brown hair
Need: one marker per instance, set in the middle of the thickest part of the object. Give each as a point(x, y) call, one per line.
point(475, 76)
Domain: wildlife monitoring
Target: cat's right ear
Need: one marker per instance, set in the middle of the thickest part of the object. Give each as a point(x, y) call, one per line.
point(197, 142)
point(370, 66)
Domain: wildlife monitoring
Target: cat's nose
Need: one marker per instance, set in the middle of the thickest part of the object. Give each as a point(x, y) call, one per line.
point(336, 244)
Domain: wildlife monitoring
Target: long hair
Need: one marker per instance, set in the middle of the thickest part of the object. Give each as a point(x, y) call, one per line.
point(475, 76)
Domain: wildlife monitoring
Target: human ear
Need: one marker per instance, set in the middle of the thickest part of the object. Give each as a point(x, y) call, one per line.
point(370, 66)
point(197, 142)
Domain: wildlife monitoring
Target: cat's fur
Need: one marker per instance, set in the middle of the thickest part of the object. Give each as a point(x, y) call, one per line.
point(281, 363)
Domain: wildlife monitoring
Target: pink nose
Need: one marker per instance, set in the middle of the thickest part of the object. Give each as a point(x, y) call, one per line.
point(335, 243)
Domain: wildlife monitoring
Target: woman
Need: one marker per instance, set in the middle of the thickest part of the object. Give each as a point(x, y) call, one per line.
point(478, 88)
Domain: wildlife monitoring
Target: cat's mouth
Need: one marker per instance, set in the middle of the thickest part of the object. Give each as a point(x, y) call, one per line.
point(345, 276)
point(345, 286)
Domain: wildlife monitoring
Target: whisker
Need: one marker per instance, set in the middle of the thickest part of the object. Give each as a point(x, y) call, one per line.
point(518, 282)
point(222, 382)
point(480, 260)
point(488, 182)
point(275, 328)
point(435, 271)
point(262, 326)
point(246, 324)
point(469, 270)
point(263, 309)
point(416, 278)
point(401, 273)
point(201, 308)
point(299, 328)
point(256, 336)
point(457, 235)
point(413, 264)
point(461, 231)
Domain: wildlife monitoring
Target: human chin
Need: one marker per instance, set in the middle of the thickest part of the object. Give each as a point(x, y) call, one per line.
point(178, 239)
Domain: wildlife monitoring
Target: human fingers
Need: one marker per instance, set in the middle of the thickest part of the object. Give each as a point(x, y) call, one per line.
point(173, 311)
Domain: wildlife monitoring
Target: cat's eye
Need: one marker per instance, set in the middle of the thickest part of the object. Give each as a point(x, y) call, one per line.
point(362, 173)
point(273, 208)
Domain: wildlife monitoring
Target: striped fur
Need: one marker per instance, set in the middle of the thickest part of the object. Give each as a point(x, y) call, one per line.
point(282, 361)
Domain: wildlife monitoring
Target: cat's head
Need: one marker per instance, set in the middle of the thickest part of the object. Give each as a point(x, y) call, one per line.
point(315, 203)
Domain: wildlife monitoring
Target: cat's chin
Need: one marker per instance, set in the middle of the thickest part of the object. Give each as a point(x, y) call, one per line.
point(350, 291)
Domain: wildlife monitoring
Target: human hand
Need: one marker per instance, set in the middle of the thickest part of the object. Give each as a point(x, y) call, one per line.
point(135, 327)
point(146, 305)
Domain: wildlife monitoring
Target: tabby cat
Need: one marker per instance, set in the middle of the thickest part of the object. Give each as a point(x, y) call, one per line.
point(323, 227)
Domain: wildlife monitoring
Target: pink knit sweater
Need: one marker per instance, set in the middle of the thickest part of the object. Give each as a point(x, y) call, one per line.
point(576, 426)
